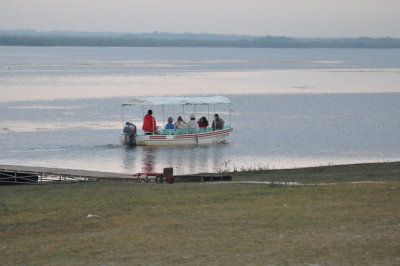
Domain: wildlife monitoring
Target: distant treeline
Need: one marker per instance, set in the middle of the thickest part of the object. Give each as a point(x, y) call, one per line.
point(185, 40)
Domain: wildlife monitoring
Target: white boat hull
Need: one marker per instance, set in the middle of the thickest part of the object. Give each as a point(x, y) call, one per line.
point(204, 138)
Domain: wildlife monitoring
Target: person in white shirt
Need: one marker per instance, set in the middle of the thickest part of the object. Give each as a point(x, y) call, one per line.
point(193, 125)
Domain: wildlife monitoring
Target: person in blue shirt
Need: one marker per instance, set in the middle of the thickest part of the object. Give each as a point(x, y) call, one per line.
point(170, 125)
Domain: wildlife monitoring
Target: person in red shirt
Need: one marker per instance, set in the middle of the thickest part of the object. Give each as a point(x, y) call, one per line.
point(149, 123)
point(203, 122)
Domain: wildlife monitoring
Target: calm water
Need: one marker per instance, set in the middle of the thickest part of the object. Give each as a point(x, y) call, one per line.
point(60, 107)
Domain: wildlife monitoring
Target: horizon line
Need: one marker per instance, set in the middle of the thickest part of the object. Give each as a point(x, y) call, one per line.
point(183, 33)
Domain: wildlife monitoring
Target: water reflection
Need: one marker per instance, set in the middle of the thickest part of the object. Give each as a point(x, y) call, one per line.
point(149, 159)
point(185, 159)
point(129, 158)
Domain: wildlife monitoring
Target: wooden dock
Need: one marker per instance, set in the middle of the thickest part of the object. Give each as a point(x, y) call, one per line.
point(56, 174)
point(31, 174)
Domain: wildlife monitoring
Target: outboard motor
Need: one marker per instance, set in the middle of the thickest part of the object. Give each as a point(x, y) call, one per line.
point(130, 133)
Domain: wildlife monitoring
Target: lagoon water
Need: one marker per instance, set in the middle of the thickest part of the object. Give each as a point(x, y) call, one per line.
point(60, 106)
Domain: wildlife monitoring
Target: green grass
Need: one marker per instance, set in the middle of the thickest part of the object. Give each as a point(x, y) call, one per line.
point(327, 174)
point(200, 224)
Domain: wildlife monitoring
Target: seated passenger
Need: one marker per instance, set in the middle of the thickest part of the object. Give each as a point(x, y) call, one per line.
point(218, 123)
point(169, 125)
point(203, 122)
point(192, 125)
point(149, 123)
point(180, 124)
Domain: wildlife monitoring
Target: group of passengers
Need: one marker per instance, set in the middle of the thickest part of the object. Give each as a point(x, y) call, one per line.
point(150, 126)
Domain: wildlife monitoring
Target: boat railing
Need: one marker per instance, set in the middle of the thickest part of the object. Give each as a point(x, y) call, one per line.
point(184, 131)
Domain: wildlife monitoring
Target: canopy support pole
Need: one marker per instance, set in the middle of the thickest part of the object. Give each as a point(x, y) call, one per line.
point(230, 114)
point(208, 113)
point(163, 117)
point(123, 119)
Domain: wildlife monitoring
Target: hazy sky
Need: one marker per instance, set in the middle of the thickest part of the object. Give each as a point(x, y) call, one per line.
point(298, 18)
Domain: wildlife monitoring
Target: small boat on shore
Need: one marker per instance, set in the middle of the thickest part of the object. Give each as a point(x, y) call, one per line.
point(187, 136)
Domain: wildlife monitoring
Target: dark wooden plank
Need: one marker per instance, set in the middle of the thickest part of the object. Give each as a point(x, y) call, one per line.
point(105, 175)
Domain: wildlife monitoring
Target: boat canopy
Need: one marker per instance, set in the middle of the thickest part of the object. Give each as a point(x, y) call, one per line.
point(177, 101)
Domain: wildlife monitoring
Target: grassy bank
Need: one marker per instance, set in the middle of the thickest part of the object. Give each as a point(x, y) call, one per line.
point(375, 172)
point(343, 223)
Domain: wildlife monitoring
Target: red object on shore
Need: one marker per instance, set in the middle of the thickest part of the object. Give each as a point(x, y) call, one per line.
point(168, 175)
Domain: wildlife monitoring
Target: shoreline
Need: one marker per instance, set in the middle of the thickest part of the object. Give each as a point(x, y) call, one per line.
point(356, 172)
point(377, 171)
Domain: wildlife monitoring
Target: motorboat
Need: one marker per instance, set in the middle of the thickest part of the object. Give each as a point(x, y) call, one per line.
point(197, 106)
